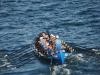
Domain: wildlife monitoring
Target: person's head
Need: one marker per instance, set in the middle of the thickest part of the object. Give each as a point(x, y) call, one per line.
point(43, 33)
point(41, 38)
point(47, 36)
point(52, 37)
point(44, 39)
point(47, 41)
point(49, 46)
point(57, 37)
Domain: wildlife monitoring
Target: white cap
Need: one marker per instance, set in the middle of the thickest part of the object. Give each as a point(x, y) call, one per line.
point(41, 37)
point(52, 35)
point(57, 36)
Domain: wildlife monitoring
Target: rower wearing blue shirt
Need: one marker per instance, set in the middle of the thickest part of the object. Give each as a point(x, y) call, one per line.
point(58, 44)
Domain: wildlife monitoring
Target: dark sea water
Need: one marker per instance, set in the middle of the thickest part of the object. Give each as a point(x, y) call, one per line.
point(76, 21)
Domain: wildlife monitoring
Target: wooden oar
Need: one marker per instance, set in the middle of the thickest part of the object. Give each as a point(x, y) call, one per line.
point(88, 51)
point(21, 57)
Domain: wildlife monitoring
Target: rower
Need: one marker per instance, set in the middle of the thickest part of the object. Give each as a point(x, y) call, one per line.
point(41, 34)
point(43, 42)
point(44, 35)
point(51, 40)
point(52, 37)
point(50, 50)
point(58, 44)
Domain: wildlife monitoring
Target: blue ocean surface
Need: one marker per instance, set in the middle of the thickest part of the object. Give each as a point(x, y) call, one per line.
point(75, 21)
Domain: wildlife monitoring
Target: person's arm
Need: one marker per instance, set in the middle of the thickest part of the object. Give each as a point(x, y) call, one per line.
point(63, 46)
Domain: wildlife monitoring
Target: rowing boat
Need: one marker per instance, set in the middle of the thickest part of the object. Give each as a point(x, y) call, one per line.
point(59, 57)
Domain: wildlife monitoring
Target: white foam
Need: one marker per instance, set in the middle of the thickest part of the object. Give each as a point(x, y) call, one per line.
point(60, 70)
point(5, 56)
point(66, 71)
point(54, 73)
point(80, 55)
point(94, 49)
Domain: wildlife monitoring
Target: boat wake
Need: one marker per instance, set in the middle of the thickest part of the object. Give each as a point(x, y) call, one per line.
point(77, 64)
